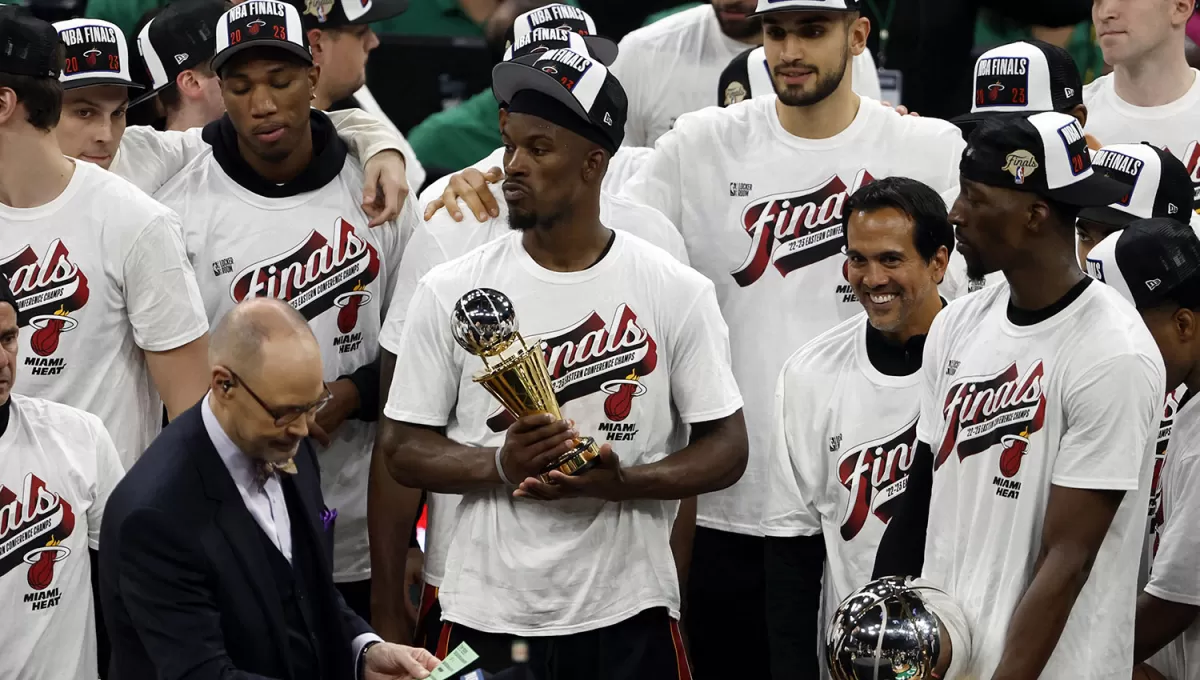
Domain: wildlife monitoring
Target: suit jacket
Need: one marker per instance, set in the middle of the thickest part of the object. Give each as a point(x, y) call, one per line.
point(185, 582)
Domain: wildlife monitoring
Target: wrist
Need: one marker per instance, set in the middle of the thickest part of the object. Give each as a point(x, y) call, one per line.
point(504, 478)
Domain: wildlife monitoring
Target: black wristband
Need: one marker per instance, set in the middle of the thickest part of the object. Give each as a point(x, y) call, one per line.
point(366, 381)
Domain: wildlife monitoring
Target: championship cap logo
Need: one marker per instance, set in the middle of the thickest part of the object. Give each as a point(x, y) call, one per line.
point(1020, 164)
point(318, 8)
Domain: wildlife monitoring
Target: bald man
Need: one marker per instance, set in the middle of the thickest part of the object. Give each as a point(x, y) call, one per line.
point(216, 551)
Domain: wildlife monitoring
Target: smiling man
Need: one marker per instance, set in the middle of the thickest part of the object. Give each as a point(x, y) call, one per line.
point(835, 473)
point(272, 209)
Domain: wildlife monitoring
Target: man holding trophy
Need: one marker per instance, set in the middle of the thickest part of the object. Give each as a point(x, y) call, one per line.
point(593, 350)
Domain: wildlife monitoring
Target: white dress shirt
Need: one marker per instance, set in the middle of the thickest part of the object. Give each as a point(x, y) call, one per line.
point(265, 502)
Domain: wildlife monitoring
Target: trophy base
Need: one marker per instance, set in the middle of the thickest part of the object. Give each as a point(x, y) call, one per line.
point(576, 461)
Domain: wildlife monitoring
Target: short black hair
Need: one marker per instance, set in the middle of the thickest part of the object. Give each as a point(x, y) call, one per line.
point(41, 96)
point(917, 200)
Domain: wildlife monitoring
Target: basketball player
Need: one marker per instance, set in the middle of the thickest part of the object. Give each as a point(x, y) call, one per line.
point(272, 210)
point(57, 468)
point(439, 240)
point(758, 192)
point(114, 320)
point(1168, 252)
point(846, 408)
point(1152, 95)
point(581, 566)
point(1036, 436)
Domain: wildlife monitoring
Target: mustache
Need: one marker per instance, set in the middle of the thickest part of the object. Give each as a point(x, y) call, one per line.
point(794, 65)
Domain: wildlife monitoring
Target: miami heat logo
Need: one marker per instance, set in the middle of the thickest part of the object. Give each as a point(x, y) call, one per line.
point(48, 289)
point(875, 473)
point(596, 357)
point(794, 230)
point(316, 275)
point(32, 528)
point(994, 90)
point(91, 55)
point(255, 26)
point(1006, 409)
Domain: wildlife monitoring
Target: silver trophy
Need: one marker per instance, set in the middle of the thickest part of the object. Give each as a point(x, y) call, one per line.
point(888, 630)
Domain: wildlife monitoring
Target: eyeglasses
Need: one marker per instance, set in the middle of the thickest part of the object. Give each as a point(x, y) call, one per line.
point(286, 415)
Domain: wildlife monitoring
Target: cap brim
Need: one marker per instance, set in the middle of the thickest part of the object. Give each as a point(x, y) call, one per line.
point(602, 49)
point(102, 80)
point(782, 10)
point(1108, 216)
point(148, 95)
point(221, 58)
point(1095, 191)
point(510, 77)
point(967, 122)
point(381, 10)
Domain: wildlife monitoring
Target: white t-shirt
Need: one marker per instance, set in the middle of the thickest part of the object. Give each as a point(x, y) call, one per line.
point(1154, 518)
point(761, 213)
point(638, 324)
point(57, 468)
point(148, 157)
point(1175, 574)
point(100, 276)
point(315, 251)
point(621, 167)
point(673, 67)
point(845, 437)
point(1174, 127)
point(1073, 401)
point(441, 239)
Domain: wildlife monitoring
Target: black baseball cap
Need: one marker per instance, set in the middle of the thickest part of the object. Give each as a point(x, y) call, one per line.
point(1029, 76)
point(179, 38)
point(341, 13)
point(770, 6)
point(544, 40)
point(258, 24)
point(566, 18)
point(1150, 263)
point(583, 85)
point(28, 45)
point(1157, 184)
point(746, 77)
point(1045, 153)
point(96, 54)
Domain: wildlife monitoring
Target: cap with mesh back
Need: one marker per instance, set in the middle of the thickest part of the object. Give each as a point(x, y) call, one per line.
point(181, 37)
point(768, 6)
point(256, 24)
point(567, 18)
point(96, 54)
point(1150, 263)
point(1157, 185)
point(585, 86)
point(1023, 77)
point(28, 45)
point(341, 13)
point(746, 77)
point(1045, 154)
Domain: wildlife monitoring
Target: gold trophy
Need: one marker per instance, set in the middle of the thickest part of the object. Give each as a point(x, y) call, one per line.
point(485, 324)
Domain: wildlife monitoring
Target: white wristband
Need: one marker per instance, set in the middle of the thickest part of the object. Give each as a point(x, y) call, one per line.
point(500, 468)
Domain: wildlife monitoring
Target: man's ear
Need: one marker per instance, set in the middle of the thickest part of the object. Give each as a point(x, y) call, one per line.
point(187, 84)
point(8, 104)
point(314, 74)
point(314, 42)
point(595, 164)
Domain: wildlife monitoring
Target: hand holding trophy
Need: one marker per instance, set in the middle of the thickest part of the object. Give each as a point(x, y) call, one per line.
point(485, 324)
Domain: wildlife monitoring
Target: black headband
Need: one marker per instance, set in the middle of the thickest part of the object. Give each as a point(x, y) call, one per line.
point(549, 109)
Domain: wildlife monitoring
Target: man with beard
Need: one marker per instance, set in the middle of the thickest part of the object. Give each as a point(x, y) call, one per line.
point(441, 239)
point(771, 240)
point(846, 409)
point(1039, 401)
point(672, 67)
point(580, 565)
point(271, 210)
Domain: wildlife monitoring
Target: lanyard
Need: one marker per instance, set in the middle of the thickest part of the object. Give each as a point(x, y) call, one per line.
point(885, 22)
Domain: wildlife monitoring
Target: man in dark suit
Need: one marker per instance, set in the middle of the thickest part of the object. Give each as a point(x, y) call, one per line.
point(217, 544)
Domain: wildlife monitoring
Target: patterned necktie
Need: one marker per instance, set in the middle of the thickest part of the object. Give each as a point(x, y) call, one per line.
point(263, 469)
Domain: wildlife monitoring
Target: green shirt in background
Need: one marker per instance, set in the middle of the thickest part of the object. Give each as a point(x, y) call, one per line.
point(123, 13)
point(436, 17)
point(991, 31)
point(455, 138)
point(663, 14)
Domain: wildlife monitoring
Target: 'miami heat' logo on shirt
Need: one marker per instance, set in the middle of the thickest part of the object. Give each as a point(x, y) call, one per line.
point(593, 356)
point(48, 288)
point(875, 473)
point(796, 229)
point(316, 275)
point(1004, 409)
point(32, 527)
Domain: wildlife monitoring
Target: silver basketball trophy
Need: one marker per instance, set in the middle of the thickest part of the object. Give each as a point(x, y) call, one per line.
point(485, 324)
point(888, 630)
